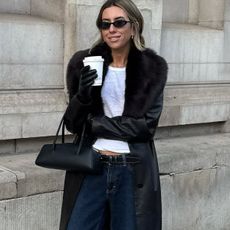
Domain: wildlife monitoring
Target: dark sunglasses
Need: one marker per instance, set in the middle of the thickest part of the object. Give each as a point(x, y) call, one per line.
point(118, 24)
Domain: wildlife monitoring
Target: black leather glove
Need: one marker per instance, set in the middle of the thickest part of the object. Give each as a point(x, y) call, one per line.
point(85, 85)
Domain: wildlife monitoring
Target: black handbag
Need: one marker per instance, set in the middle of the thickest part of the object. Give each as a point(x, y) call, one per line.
point(77, 156)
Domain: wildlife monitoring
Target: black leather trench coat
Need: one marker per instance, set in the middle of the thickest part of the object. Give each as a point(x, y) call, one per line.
point(146, 74)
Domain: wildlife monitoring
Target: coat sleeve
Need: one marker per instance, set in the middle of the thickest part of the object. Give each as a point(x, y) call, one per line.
point(76, 112)
point(128, 128)
point(75, 115)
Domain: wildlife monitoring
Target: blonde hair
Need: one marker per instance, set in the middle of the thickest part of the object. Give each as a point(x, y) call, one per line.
point(134, 15)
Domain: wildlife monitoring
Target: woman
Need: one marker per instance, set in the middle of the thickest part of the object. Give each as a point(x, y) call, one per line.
point(121, 118)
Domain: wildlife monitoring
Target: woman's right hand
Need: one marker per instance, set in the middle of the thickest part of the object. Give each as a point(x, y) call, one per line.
point(85, 85)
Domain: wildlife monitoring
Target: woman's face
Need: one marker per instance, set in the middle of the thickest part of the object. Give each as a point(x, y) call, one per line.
point(116, 38)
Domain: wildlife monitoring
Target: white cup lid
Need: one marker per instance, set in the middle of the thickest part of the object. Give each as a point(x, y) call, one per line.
point(93, 58)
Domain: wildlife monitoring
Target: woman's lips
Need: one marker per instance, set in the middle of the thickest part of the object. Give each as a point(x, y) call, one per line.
point(114, 38)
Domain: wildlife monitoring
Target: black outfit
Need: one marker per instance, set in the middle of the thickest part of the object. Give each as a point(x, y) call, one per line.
point(146, 74)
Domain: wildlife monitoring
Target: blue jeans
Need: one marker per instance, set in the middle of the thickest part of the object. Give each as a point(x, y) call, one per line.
point(115, 186)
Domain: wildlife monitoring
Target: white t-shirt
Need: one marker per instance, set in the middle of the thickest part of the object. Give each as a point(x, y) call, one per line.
point(113, 97)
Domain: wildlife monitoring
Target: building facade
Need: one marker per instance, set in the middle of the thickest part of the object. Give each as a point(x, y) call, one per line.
point(37, 40)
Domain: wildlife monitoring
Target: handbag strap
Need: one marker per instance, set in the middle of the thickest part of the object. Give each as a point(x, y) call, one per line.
point(82, 138)
point(62, 125)
point(58, 130)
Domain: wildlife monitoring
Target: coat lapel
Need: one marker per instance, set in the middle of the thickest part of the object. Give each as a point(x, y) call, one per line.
point(145, 77)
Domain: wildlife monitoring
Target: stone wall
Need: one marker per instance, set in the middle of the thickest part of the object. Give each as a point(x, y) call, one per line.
point(193, 41)
point(195, 12)
point(37, 40)
point(34, 60)
point(31, 71)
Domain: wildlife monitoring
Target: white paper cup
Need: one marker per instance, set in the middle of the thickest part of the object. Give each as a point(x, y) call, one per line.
point(95, 62)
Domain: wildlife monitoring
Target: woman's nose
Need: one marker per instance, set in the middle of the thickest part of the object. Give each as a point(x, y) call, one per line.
point(112, 28)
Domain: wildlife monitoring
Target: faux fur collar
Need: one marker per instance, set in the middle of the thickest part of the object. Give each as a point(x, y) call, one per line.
point(146, 75)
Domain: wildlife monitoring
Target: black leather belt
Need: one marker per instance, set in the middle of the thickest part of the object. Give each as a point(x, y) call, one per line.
point(120, 159)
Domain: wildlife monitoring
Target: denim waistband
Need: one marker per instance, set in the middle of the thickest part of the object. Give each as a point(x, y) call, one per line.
point(120, 159)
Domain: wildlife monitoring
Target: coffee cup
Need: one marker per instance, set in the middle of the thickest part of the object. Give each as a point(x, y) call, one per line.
point(95, 62)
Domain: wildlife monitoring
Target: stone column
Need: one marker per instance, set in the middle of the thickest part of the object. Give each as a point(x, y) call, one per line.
point(227, 31)
point(211, 13)
point(152, 11)
point(193, 11)
point(226, 127)
point(69, 33)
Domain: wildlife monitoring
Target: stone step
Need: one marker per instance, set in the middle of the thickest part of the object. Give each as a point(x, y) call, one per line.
point(194, 53)
point(31, 52)
point(26, 178)
point(27, 192)
point(194, 173)
point(187, 154)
